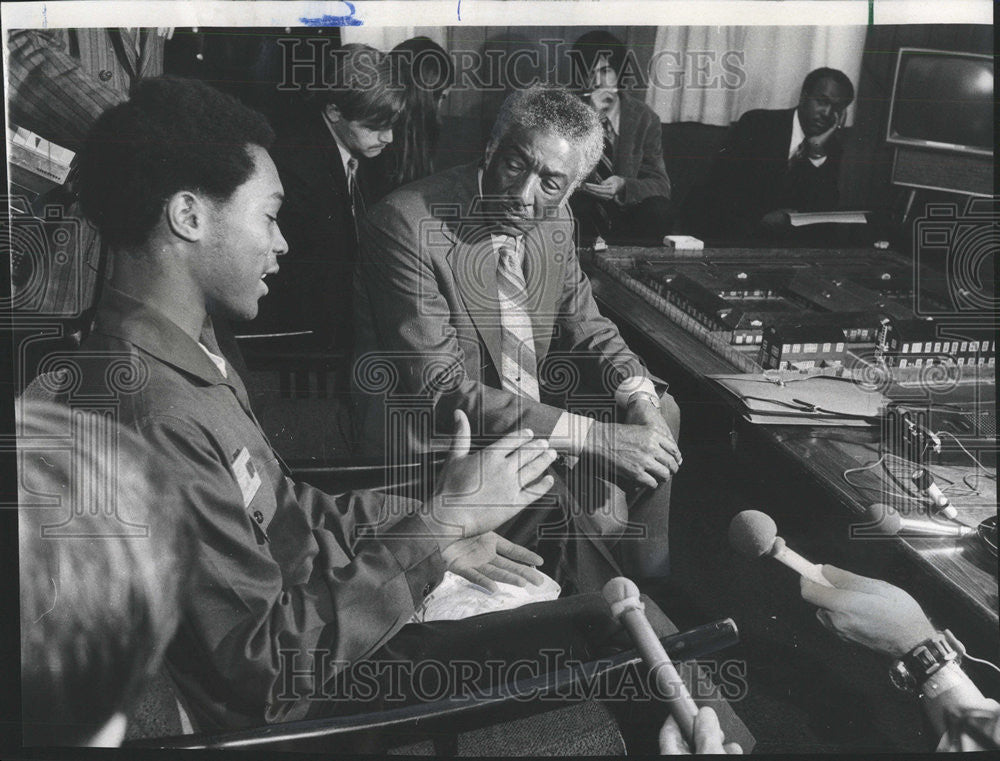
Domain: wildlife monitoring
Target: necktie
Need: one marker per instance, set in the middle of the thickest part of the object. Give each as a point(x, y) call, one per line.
point(519, 370)
point(606, 166)
point(357, 199)
point(604, 169)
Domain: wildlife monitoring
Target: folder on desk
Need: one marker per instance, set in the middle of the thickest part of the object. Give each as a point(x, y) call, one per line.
point(808, 400)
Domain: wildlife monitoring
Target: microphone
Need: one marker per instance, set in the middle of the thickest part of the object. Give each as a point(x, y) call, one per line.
point(754, 534)
point(622, 595)
point(923, 480)
point(888, 521)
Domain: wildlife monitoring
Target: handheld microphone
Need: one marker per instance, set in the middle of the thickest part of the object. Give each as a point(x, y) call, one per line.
point(755, 534)
point(888, 521)
point(622, 595)
point(923, 481)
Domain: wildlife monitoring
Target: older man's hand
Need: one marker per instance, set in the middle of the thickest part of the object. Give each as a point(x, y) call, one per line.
point(644, 451)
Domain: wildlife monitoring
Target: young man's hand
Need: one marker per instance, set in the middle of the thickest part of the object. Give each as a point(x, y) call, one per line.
point(479, 491)
point(488, 558)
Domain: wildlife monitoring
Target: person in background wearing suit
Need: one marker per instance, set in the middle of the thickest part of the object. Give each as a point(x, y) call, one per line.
point(469, 287)
point(60, 81)
point(626, 199)
point(778, 162)
point(325, 158)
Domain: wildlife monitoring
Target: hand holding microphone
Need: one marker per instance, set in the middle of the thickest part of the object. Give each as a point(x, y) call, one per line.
point(867, 611)
point(687, 727)
point(622, 595)
point(755, 534)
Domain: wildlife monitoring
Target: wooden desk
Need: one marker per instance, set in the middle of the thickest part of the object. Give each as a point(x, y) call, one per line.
point(963, 567)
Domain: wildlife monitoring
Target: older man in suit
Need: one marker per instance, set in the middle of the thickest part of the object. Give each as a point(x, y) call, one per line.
point(469, 296)
point(627, 196)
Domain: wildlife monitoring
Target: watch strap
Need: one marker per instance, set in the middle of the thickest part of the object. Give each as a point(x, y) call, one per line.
point(915, 667)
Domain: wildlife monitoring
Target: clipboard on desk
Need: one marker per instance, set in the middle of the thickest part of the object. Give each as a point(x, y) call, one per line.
point(810, 400)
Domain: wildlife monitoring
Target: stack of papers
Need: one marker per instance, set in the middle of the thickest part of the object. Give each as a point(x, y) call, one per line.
point(809, 400)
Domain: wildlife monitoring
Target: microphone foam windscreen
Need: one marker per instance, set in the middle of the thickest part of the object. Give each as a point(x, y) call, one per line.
point(619, 589)
point(888, 521)
point(752, 533)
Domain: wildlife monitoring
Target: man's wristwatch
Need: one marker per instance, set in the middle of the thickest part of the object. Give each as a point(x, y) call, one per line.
point(637, 395)
point(911, 671)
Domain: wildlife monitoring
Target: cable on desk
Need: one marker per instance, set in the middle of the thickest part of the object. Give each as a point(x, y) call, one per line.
point(879, 489)
point(962, 447)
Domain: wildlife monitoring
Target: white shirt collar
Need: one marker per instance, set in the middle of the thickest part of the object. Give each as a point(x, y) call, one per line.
point(345, 155)
point(218, 361)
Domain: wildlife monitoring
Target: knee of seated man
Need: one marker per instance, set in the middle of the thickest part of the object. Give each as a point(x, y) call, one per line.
point(671, 414)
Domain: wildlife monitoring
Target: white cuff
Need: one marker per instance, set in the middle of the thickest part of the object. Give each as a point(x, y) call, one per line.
point(634, 385)
point(570, 432)
point(817, 162)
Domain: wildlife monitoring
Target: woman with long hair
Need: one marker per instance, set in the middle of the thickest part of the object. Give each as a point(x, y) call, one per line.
point(427, 72)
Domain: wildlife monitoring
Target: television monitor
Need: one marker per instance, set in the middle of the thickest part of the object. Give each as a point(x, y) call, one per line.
point(942, 101)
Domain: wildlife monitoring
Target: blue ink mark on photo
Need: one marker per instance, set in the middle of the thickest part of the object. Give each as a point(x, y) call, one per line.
point(459, 10)
point(326, 20)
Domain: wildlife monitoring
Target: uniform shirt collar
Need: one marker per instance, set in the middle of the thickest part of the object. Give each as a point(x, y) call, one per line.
point(125, 317)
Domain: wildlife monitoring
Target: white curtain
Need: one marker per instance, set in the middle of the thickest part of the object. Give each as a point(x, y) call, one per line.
point(773, 59)
point(385, 38)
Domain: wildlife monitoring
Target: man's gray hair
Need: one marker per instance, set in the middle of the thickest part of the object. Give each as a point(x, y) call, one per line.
point(555, 110)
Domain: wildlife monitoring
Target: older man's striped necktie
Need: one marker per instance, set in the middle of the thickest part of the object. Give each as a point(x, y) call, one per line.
point(519, 369)
point(605, 168)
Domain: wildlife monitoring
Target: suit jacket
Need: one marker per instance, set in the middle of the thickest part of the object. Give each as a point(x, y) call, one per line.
point(312, 290)
point(752, 176)
point(428, 319)
point(639, 152)
point(61, 80)
point(281, 567)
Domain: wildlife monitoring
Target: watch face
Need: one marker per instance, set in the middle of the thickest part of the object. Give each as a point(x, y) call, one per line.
point(901, 677)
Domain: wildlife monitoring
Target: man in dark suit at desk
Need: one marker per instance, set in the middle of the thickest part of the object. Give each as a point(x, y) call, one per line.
point(469, 286)
point(777, 162)
point(324, 158)
point(627, 196)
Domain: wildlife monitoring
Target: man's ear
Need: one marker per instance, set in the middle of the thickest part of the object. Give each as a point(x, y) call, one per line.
point(332, 113)
point(187, 215)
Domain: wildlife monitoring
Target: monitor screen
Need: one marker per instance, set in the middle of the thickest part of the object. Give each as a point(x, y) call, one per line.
point(943, 100)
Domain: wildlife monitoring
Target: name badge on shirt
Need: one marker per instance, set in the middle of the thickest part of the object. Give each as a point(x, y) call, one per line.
point(247, 476)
